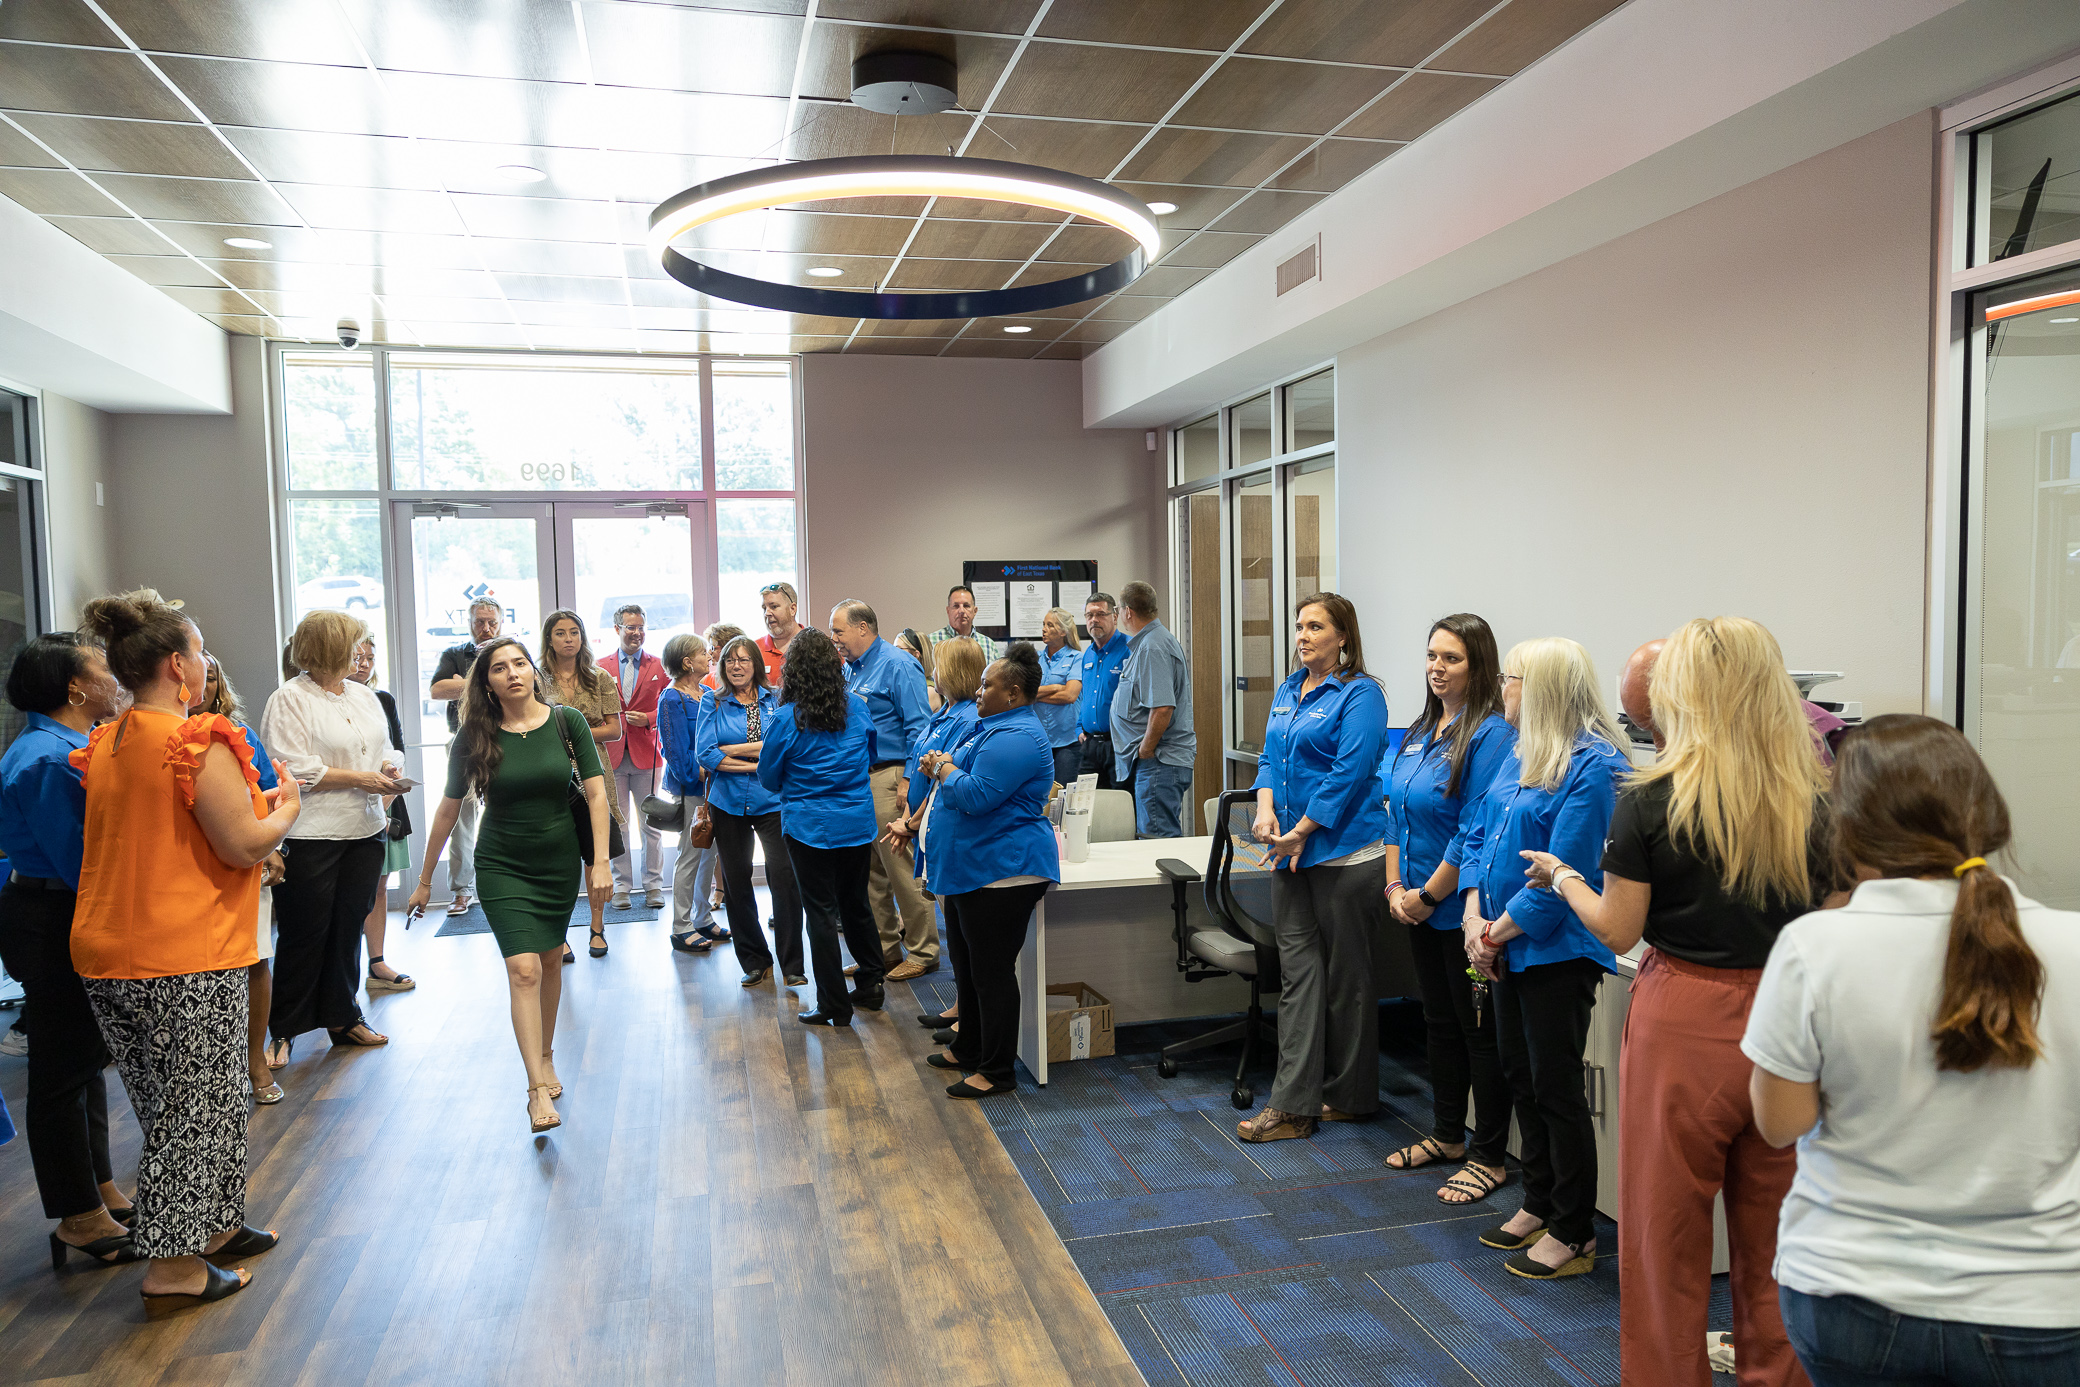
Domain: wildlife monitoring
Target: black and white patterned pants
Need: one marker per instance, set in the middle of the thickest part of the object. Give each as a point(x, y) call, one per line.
point(180, 1043)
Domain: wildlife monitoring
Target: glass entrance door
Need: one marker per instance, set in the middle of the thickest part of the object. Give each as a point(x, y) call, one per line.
point(530, 558)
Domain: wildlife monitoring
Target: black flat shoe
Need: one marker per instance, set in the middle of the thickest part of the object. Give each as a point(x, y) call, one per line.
point(598, 950)
point(568, 956)
point(939, 1061)
point(943, 1037)
point(111, 1251)
point(964, 1089)
point(797, 980)
point(824, 1018)
point(691, 944)
point(346, 1037)
point(933, 1021)
point(755, 977)
point(216, 1284)
point(248, 1241)
point(866, 999)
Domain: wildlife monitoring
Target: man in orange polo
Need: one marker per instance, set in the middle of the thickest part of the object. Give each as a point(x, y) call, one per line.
point(778, 602)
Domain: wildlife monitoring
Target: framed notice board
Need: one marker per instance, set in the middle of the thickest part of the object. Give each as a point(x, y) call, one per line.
point(1012, 595)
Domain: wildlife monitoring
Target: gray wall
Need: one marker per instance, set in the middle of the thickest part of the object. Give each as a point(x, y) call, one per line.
point(1724, 412)
point(78, 451)
point(918, 463)
point(190, 496)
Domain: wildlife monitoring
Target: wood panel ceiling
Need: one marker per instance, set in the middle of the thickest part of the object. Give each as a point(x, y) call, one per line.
point(362, 141)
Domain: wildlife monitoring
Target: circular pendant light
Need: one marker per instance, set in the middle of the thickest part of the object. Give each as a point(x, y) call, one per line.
point(988, 180)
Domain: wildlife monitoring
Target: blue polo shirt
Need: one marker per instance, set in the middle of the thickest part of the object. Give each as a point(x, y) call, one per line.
point(1100, 677)
point(990, 819)
point(1155, 677)
point(1059, 719)
point(826, 797)
point(892, 683)
point(725, 722)
point(1571, 822)
point(1430, 827)
point(1320, 761)
point(43, 802)
point(948, 728)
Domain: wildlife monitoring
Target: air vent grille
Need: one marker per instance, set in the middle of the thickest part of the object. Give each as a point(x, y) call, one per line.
point(1298, 269)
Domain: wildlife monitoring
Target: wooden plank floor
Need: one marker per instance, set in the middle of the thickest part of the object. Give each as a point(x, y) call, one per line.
point(733, 1198)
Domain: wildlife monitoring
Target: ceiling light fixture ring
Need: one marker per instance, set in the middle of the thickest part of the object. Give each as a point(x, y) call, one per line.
point(903, 176)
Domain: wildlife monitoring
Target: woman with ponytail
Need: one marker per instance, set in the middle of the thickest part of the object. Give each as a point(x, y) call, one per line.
point(1922, 1047)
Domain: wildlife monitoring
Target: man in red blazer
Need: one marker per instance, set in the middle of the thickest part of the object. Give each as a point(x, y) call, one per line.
point(633, 761)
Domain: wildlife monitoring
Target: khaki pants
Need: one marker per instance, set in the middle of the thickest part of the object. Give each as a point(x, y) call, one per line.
point(901, 912)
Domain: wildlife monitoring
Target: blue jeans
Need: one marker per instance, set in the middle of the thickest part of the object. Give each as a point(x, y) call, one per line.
point(1847, 1341)
point(1159, 793)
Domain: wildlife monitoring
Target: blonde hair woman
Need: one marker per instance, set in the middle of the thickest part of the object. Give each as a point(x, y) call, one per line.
point(1554, 793)
point(1061, 685)
point(332, 734)
point(1712, 851)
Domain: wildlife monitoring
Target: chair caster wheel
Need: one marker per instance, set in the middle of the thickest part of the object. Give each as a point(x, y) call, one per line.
point(1242, 1097)
point(1167, 1067)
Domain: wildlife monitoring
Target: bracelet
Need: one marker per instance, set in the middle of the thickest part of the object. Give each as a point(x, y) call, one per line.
point(1561, 874)
point(1487, 938)
point(1395, 885)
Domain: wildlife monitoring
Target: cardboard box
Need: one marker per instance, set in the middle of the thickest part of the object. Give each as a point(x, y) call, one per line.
point(1081, 1032)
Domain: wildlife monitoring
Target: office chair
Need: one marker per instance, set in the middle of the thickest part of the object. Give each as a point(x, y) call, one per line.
point(1112, 817)
point(1243, 945)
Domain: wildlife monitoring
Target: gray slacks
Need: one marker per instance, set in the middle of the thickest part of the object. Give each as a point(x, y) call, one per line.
point(1326, 919)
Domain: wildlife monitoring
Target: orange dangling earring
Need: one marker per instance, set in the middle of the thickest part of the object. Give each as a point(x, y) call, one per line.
point(187, 695)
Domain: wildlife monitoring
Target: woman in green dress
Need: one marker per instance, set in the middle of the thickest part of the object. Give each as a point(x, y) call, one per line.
point(516, 751)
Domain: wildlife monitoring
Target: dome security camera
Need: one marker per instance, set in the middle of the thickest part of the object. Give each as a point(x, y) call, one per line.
point(349, 333)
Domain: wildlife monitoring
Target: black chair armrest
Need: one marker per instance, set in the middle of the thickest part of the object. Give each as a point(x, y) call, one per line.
point(1176, 872)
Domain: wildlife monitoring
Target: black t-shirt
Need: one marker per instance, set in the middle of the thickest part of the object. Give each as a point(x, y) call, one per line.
point(1690, 916)
point(455, 663)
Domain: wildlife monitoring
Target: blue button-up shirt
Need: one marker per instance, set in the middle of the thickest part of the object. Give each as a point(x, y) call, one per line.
point(1429, 826)
point(1059, 719)
point(263, 764)
point(892, 683)
point(724, 721)
point(677, 716)
point(1320, 761)
point(43, 802)
point(1155, 676)
point(1570, 822)
point(948, 728)
point(822, 778)
point(990, 819)
point(1100, 676)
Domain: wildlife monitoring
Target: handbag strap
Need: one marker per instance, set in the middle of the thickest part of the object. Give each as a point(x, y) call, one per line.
point(563, 730)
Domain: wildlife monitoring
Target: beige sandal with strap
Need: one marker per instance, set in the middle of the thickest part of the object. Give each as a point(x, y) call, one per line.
point(537, 1123)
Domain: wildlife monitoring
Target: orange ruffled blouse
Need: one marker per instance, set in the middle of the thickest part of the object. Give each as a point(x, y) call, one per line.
point(154, 899)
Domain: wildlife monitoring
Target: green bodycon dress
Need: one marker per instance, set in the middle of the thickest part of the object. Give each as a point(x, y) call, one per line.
point(528, 873)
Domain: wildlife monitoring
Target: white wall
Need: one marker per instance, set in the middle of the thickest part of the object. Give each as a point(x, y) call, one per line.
point(78, 452)
point(1723, 412)
point(193, 518)
point(918, 463)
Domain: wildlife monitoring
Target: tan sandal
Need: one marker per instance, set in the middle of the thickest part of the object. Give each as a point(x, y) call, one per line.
point(555, 1085)
point(541, 1124)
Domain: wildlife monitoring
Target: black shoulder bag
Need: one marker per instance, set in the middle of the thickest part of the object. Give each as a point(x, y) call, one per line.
point(581, 812)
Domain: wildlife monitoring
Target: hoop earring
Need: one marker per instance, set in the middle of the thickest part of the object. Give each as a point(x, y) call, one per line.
point(73, 699)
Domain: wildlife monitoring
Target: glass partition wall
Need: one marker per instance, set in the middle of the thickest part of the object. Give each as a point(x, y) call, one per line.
point(2005, 652)
point(415, 484)
point(1255, 531)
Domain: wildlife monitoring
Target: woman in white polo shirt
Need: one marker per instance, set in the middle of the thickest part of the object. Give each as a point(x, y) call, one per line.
point(1922, 1047)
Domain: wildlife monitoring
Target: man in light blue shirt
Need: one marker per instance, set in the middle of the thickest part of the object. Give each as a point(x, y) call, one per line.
point(1152, 736)
point(892, 683)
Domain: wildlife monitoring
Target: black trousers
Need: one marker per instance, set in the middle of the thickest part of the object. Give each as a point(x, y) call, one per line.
point(1462, 1048)
point(67, 1117)
point(319, 911)
point(1542, 1028)
point(833, 883)
point(985, 929)
point(1097, 759)
point(733, 834)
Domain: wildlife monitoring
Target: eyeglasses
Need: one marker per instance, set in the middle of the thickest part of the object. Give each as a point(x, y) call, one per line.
point(1504, 680)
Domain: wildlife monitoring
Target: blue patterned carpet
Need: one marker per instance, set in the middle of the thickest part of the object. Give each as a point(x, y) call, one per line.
point(1295, 1261)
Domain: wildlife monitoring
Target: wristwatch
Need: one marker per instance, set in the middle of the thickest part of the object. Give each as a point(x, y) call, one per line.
point(1426, 898)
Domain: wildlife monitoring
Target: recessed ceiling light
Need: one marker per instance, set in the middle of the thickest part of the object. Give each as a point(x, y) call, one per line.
point(2066, 320)
point(1018, 328)
point(825, 271)
point(520, 173)
point(1162, 209)
point(248, 243)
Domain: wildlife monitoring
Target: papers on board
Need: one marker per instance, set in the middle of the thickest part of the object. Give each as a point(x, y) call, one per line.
point(989, 604)
point(1029, 605)
point(1072, 596)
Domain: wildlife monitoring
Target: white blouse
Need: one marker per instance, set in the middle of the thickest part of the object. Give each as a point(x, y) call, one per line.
point(313, 730)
